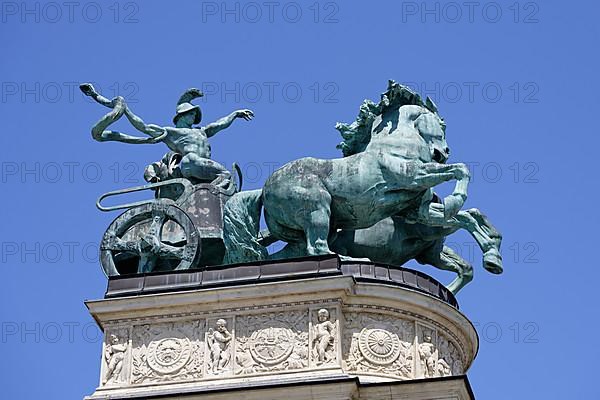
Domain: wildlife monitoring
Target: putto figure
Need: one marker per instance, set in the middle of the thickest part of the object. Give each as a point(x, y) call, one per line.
point(114, 354)
point(218, 343)
point(324, 339)
point(431, 364)
point(191, 152)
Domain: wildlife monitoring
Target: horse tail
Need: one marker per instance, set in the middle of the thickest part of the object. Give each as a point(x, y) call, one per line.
point(241, 224)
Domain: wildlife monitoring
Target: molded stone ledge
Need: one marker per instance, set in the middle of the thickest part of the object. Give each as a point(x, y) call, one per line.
point(267, 271)
point(330, 388)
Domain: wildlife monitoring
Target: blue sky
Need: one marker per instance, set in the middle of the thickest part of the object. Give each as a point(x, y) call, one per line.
point(515, 81)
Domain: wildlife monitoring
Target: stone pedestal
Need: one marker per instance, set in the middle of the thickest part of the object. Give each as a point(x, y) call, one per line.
point(297, 329)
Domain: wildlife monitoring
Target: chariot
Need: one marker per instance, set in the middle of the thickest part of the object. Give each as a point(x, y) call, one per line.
point(376, 202)
point(181, 228)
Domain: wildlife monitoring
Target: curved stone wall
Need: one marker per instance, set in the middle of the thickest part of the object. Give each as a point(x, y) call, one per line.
point(278, 331)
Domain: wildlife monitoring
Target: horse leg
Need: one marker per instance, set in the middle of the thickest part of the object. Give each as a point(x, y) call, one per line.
point(290, 250)
point(425, 176)
point(308, 213)
point(317, 232)
point(465, 274)
point(433, 174)
point(481, 229)
point(485, 234)
point(295, 241)
point(487, 237)
point(448, 260)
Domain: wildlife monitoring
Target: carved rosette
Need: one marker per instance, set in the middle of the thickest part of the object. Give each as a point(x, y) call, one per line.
point(382, 344)
point(272, 342)
point(379, 344)
point(168, 351)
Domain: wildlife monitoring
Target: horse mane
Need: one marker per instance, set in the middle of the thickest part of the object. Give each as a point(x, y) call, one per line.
point(357, 135)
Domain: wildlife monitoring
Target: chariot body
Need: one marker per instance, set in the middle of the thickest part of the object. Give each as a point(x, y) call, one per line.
point(181, 228)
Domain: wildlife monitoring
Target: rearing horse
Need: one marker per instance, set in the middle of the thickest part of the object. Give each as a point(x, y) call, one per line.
point(400, 238)
point(396, 241)
point(308, 200)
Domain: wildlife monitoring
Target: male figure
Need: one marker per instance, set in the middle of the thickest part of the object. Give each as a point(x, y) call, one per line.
point(324, 335)
point(190, 143)
point(218, 342)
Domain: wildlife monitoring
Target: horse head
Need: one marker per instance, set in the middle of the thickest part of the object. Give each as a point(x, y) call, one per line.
point(400, 112)
point(432, 129)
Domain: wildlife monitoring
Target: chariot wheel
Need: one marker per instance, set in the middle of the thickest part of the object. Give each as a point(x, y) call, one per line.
point(157, 236)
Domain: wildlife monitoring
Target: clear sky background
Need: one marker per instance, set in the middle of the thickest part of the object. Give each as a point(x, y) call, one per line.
point(516, 82)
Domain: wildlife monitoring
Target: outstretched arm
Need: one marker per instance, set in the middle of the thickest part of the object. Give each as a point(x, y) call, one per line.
point(101, 134)
point(114, 136)
point(119, 107)
point(155, 131)
point(225, 122)
point(89, 90)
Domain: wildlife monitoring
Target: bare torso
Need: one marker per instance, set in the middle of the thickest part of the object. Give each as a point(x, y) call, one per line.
point(188, 141)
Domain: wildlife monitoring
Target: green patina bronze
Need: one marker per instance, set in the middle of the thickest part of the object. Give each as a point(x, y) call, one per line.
point(376, 202)
point(189, 144)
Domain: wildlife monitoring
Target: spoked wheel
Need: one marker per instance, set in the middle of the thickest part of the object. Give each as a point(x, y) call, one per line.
point(156, 236)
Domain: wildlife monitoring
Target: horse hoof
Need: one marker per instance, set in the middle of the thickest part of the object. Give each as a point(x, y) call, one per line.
point(492, 261)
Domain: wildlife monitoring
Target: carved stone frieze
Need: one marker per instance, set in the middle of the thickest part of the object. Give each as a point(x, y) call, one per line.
point(431, 363)
point(170, 351)
point(373, 342)
point(316, 338)
point(115, 356)
point(324, 329)
point(219, 347)
point(450, 353)
point(379, 344)
point(272, 342)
